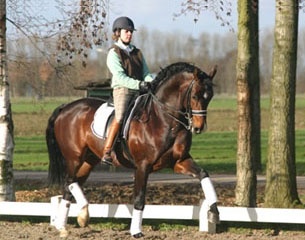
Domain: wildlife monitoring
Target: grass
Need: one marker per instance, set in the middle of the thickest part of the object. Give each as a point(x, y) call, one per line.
point(31, 154)
point(214, 150)
point(32, 105)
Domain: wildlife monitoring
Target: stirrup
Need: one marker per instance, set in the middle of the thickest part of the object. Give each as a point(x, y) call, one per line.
point(107, 159)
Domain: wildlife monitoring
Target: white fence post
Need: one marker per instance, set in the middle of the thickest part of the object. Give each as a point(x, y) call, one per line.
point(55, 201)
point(204, 224)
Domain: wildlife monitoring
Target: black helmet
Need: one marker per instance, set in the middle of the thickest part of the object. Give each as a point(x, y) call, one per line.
point(123, 23)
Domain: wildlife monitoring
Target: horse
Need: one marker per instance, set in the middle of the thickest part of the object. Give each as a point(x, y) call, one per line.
point(159, 136)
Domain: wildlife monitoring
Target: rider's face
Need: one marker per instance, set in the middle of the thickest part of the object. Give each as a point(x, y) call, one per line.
point(126, 35)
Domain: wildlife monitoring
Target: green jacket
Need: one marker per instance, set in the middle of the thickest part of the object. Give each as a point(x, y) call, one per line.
point(121, 66)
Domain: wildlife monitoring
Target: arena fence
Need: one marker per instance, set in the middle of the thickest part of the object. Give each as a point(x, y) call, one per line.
point(181, 212)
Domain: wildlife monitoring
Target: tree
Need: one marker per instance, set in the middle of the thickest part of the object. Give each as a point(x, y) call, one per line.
point(6, 122)
point(77, 35)
point(248, 91)
point(248, 103)
point(281, 190)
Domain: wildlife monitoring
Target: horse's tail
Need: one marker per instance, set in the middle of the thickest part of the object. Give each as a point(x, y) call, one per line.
point(57, 166)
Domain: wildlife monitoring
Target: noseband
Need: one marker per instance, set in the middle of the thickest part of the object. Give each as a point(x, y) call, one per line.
point(187, 114)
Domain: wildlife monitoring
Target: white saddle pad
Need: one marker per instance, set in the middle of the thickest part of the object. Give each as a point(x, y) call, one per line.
point(101, 120)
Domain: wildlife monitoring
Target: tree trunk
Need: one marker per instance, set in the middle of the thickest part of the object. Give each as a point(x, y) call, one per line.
point(281, 190)
point(6, 122)
point(248, 103)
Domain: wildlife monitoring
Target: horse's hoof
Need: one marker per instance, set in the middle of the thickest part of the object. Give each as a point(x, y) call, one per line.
point(63, 233)
point(83, 217)
point(213, 217)
point(138, 235)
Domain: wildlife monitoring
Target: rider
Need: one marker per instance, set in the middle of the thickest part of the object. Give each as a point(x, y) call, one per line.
point(130, 76)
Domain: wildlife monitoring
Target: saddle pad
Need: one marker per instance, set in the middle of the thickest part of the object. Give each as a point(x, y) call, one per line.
point(101, 119)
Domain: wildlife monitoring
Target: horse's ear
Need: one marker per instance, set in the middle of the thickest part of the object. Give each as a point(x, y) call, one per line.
point(213, 72)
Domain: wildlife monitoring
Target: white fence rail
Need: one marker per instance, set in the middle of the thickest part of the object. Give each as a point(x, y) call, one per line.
point(181, 212)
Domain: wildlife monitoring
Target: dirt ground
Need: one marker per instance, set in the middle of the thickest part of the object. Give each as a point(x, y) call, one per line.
point(167, 193)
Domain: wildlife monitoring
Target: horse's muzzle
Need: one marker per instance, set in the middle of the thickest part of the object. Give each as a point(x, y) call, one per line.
point(201, 127)
point(196, 130)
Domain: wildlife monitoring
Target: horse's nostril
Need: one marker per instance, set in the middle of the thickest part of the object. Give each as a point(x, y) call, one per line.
point(196, 130)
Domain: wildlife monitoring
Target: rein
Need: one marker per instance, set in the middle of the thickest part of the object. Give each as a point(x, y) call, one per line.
point(188, 114)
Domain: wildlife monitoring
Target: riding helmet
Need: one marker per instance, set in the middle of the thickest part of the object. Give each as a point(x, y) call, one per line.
point(123, 23)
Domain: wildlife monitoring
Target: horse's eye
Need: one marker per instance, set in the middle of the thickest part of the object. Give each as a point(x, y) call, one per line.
point(195, 97)
point(205, 95)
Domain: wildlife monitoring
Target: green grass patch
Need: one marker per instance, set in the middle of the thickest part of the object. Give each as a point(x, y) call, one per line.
point(230, 103)
point(30, 153)
point(213, 151)
point(32, 105)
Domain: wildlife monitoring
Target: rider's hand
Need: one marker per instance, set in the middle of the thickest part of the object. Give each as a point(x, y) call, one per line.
point(144, 87)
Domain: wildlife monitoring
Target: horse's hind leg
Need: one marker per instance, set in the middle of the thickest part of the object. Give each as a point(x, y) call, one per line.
point(189, 167)
point(62, 217)
point(82, 203)
point(63, 212)
point(75, 189)
point(72, 189)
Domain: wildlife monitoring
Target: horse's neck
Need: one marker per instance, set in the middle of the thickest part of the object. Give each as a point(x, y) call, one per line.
point(169, 94)
point(169, 106)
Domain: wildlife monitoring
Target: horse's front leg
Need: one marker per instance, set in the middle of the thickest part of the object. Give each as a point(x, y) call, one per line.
point(140, 184)
point(189, 167)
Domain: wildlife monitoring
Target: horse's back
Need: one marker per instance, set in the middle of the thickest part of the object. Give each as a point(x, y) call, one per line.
point(81, 108)
point(83, 104)
point(75, 118)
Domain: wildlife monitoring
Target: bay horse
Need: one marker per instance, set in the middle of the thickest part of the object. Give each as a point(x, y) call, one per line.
point(159, 136)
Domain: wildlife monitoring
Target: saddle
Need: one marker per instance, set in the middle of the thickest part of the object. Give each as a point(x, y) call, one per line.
point(105, 114)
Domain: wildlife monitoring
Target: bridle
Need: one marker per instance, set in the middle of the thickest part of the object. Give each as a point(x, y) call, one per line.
point(187, 114)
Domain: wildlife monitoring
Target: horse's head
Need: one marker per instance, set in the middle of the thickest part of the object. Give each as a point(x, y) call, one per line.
point(199, 97)
point(184, 91)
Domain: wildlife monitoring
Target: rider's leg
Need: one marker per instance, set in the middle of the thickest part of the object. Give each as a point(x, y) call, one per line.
point(121, 99)
point(113, 131)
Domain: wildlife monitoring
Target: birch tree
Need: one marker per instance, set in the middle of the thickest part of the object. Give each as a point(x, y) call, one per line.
point(6, 122)
point(78, 32)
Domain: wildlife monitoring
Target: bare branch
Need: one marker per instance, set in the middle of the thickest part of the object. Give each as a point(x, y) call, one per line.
point(74, 26)
point(222, 10)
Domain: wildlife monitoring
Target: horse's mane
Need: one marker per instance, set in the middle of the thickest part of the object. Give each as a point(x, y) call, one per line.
point(170, 70)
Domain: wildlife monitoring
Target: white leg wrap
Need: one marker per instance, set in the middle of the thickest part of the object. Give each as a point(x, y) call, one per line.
point(62, 216)
point(136, 222)
point(209, 191)
point(78, 195)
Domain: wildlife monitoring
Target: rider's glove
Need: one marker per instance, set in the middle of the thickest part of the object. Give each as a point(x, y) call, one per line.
point(144, 87)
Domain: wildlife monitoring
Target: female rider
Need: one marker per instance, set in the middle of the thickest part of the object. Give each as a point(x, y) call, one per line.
point(130, 75)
